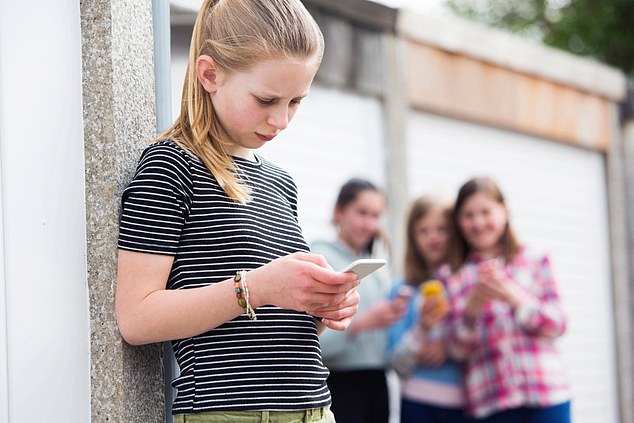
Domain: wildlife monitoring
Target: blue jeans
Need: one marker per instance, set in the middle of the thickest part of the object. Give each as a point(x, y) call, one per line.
point(416, 412)
point(554, 414)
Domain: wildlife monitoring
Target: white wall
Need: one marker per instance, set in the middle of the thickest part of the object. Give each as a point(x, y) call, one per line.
point(557, 199)
point(45, 369)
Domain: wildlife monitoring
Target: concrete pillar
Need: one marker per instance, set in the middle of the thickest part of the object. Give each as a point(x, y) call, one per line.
point(119, 119)
point(620, 169)
point(396, 112)
point(625, 296)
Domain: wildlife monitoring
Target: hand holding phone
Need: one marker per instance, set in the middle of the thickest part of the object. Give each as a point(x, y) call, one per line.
point(363, 267)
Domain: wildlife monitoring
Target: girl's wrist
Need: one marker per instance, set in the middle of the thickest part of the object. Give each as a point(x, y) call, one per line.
point(514, 302)
point(255, 294)
point(516, 296)
point(426, 325)
point(243, 294)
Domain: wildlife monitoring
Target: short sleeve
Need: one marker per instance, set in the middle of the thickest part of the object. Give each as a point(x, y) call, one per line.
point(156, 203)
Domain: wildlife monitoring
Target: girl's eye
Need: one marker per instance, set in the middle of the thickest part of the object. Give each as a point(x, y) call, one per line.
point(296, 101)
point(265, 101)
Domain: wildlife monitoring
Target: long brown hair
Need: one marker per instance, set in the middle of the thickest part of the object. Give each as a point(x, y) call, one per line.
point(459, 247)
point(237, 34)
point(417, 268)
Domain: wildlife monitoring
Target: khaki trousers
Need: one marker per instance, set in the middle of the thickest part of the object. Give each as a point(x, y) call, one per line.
point(315, 415)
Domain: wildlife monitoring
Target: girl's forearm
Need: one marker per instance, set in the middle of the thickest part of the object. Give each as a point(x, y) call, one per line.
point(165, 315)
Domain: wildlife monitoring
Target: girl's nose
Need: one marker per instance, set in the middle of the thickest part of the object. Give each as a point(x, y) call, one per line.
point(477, 220)
point(372, 224)
point(279, 118)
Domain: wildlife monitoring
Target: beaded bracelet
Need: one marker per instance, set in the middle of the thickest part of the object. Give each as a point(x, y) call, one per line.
point(242, 293)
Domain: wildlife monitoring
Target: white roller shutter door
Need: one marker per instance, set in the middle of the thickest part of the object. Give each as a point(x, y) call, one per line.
point(557, 199)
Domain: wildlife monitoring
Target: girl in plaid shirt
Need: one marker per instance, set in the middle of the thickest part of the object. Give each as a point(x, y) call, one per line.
point(506, 317)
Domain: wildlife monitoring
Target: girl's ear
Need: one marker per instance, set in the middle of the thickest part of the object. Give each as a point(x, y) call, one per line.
point(336, 214)
point(207, 72)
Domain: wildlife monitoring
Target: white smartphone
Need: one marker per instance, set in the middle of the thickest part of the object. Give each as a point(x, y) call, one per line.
point(363, 267)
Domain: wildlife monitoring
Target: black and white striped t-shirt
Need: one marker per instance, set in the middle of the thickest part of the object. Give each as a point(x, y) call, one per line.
point(175, 206)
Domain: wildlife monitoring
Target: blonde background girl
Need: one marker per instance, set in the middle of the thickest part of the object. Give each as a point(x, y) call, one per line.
point(431, 383)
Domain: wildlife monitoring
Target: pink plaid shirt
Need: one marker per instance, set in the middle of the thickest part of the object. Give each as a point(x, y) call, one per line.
point(510, 357)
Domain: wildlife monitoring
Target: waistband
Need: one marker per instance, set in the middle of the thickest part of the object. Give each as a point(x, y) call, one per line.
point(312, 415)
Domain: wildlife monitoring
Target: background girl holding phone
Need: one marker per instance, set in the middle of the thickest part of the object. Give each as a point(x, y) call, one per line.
point(356, 357)
point(507, 315)
point(431, 383)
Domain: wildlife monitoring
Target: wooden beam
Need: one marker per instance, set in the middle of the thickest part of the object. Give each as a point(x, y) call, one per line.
point(466, 88)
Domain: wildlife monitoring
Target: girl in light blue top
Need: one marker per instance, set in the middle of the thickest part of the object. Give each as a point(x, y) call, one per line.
point(431, 384)
point(356, 357)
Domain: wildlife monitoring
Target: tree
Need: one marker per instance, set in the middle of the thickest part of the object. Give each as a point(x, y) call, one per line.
point(603, 29)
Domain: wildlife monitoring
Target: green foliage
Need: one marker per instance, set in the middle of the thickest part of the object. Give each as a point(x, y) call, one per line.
point(603, 29)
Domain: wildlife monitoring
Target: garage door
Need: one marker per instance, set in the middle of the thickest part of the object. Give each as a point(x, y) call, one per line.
point(557, 199)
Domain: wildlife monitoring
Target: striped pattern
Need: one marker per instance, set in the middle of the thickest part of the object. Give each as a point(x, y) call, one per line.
point(174, 206)
point(511, 359)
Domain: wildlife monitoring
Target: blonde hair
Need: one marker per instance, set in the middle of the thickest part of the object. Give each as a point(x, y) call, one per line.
point(417, 268)
point(237, 34)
